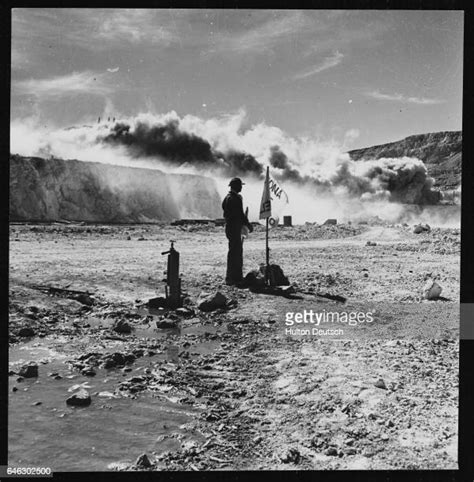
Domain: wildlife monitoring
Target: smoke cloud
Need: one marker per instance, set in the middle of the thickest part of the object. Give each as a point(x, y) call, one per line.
point(319, 177)
point(165, 141)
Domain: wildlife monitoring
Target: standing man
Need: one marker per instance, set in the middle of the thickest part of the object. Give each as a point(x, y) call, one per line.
point(235, 219)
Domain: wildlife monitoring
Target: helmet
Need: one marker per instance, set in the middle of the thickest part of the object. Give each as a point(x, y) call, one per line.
point(236, 181)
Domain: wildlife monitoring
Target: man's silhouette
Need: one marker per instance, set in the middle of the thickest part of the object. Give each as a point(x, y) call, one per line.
point(235, 219)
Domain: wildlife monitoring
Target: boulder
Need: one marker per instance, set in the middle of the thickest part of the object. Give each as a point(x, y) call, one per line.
point(109, 363)
point(330, 222)
point(79, 399)
point(26, 332)
point(421, 228)
point(291, 455)
point(113, 360)
point(166, 324)
point(121, 326)
point(29, 371)
point(213, 302)
point(85, 299)
point(431, 290)
point(143, 461)
point(184, 312)
point(331, 451)
point(380, 384)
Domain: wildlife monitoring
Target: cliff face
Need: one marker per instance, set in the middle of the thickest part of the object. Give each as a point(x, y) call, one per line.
point(54, 189)
point(440, 151)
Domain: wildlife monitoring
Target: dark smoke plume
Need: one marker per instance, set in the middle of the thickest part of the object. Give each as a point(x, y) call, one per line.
point(240, 163)
point(165, 141)
point(280, 160)
point(171, 144)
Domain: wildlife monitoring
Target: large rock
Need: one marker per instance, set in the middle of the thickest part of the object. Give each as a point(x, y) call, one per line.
point(380, 383)
point(113, 360)
point(166, 323)
point(422, 228)
point(121, 326)
point(212, 302)
point(85, 299)
point(29, 371)
point(26, 332)
point(143, 461)
point(330, 222)
point(290, 456)
point(431, 290)
point(79, 399)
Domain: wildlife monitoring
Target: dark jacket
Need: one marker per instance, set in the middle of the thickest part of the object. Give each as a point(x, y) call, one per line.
point(234, 210)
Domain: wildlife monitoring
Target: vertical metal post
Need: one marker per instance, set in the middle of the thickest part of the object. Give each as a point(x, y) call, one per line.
point(173, 277)
point(173, 281)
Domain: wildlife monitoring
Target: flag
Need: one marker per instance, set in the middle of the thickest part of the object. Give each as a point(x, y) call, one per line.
point(278, 195)
point(266, 204)
point(274, 201)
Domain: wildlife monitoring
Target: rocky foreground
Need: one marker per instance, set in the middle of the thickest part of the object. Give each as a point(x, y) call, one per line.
point(260, 399)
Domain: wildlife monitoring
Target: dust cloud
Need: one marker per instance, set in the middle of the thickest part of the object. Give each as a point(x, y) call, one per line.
point(319, 177)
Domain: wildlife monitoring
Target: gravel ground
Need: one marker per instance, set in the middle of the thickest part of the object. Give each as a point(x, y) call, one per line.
point(380, 398)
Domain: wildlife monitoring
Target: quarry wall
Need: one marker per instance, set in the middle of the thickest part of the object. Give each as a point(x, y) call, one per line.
point(56, 189)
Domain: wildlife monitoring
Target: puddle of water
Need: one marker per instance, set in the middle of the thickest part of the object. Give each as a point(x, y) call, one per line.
point(27, 352)
point(78, 439)
point(183, 329)
point(113, 429)
point(173, 336)
point(149, 330)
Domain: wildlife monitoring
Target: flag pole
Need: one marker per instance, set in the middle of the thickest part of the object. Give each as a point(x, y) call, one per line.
point(267, 250)
point(267, 253)
point(265, 213)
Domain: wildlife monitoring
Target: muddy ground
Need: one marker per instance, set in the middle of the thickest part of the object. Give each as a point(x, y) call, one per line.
point(239, 391)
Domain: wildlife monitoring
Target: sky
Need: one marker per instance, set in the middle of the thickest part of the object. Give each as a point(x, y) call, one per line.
point(357, 77)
